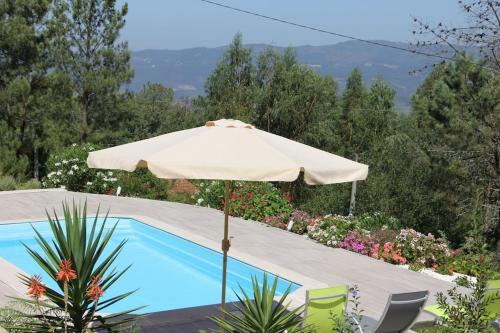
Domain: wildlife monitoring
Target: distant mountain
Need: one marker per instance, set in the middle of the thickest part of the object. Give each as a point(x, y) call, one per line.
point(186, 70)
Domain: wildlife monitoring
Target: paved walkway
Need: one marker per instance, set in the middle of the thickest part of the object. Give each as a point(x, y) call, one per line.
point(280, 252)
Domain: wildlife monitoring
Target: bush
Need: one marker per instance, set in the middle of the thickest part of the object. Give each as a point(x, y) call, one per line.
point(143, 184)
point(69, 169)
point(7, 183)
point(255, 201)
point(210, 194)
point(388, 252)
point(357, 241)
point(325, 199)
point(374, 235)
point(423, 250)
point(467, 312)
point(331, 230)
point(377, 220)
point(30, 185)
point(383, 235)
point(473, 264)
point(301, 221)
point(248, 200)
point(280, 221)
point(384, 243)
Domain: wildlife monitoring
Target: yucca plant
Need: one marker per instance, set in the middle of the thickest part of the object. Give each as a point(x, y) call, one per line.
point(262, 314)
point(74, 260)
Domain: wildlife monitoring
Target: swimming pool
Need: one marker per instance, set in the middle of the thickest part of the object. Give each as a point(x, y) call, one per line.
point(170, 272)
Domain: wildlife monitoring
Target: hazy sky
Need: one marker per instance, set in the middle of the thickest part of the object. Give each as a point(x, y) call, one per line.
point(177, 24)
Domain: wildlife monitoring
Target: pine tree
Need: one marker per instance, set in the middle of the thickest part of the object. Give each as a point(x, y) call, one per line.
point(296, 102)
point(26, 90)
point(456, 115)
point(230, 90)
point(353, 100)
point(86, 48)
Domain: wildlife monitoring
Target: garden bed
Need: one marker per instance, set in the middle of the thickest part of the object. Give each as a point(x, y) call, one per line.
point(377, 235)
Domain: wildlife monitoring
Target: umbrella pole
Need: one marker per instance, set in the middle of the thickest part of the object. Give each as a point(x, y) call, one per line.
point(225, 242)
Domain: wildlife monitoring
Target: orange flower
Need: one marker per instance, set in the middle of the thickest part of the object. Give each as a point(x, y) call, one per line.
point(95, 290)
point(374, 250)
point(398, 258)
point(36, 288)
point(66, 272)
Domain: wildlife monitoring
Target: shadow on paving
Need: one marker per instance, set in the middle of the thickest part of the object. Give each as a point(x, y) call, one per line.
point(188, 320)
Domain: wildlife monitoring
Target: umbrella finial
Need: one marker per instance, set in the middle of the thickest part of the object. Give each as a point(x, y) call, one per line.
point(228, 123)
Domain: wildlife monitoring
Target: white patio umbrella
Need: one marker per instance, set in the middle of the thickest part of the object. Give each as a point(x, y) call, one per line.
point(229, 150)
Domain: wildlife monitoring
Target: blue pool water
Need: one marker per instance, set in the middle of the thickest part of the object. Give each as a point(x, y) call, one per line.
point(169, 271)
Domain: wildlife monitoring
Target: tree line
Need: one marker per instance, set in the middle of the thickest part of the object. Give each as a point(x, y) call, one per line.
point(63, 70)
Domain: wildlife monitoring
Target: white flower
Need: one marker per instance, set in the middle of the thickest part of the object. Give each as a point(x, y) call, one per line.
point(199, 201)
point(207, 190)
point(58, 172)
point(110, 173)
point(73, 145)
point(65, 162)
point(57, 164)
point(70, 172)
point(75, 167)
point(89, 183)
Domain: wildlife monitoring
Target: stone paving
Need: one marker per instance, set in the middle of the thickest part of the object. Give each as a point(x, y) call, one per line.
point(286, 254)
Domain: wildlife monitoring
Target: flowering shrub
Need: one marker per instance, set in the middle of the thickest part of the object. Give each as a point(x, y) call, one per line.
point(301, 221)
point(423, 250)
point(280, 221)
point(357, 241)
point(388, 252)
point(383, 246)
point(69, 169)
point(253, 201)
point(383, 235)
point(409, 246)
point(331, 230)
point(210, 194)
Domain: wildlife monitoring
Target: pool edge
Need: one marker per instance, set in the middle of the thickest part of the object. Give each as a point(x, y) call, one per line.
point(297, 297)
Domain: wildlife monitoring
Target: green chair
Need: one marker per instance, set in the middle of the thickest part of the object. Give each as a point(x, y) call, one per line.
point(493, 308)
point(322, 304)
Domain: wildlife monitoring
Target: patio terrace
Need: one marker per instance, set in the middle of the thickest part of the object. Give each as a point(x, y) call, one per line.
point(292, 256)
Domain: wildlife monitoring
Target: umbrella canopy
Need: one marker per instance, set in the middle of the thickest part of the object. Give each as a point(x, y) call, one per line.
point(229, 150)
